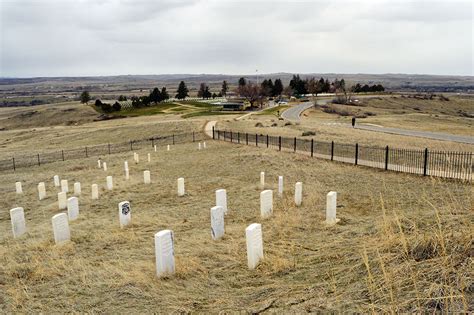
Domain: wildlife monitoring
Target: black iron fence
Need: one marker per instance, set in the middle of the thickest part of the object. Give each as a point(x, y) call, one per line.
point(457, 165)
point(28, 160)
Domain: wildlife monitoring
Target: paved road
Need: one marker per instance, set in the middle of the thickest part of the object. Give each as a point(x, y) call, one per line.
point(293, 114)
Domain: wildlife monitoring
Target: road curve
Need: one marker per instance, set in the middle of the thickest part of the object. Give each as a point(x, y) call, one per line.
point(293, 113)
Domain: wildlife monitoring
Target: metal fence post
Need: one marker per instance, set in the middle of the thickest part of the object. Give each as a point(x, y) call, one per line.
point(173, 138)
point(86, 153)
point(386, 158)
point(213, 136)
point(267, 141)
point(62, 153)
point(231, 138)
point(194, 138)
point(356, 159)
point(425, 163)
point(14, 166)
point(152, 142)
point(39, 162)
point(109, 148)
point(294, 145)
point(279, 143)
point(312, 146)
point(218, 135)
point(256, 139)
point(246, 138)
point(332, 150)
point(238, 137)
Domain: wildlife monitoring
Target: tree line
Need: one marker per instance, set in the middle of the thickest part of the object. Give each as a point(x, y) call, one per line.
point(253, 92)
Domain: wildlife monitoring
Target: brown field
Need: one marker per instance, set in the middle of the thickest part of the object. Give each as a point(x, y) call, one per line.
point(404, 243)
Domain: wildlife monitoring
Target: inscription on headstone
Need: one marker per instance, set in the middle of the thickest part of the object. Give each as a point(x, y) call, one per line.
point(125, 213)
point(56, 181)
point(18, 188)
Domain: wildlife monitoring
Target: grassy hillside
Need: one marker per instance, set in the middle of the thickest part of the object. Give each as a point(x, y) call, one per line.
point(404, 243)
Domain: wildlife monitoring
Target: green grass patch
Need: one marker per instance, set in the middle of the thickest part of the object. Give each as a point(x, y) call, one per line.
point(198, 104)
point(142, 111)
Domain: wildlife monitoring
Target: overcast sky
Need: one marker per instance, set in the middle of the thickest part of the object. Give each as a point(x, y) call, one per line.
point(111, 37)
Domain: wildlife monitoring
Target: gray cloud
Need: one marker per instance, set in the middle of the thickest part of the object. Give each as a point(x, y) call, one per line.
point(85, 37)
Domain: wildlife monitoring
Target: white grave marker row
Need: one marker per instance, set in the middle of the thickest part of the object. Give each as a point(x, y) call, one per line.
point(72, 208)
point(41, 191)
point(56, 181)
point(253, 235)
point(62, 200)
point(64, 186)
point(77, 189)
point(217, 222)
point(110, 183)
point(125, 213)
point(61, 228)
point(146, 177)
point(298, 193)
point(180, 186)
point(221, 199)
point(95, 192)
point(17, 216)
point(18, 188)
point(266, 203)
point(164, 252)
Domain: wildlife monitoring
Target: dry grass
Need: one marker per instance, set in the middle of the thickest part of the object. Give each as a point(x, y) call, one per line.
point(404, 243)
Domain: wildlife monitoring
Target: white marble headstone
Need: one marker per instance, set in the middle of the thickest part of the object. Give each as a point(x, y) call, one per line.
point(280, 186)
point(127, 174)
point(105, 166)
point(77, 189)
point(125, 165)
point(125, 213)
point(99, 163)
point(168, 147)
point(149, 158)
point(56, 181)
point(262, 180)
point(180, 186)
point(137, 158)
point(72, 208)
point(41, 191)
point(221, 199)
point(204, 144)
point(110, 183)
point(199, 146)
point(147, 177)
point(298, 193)
point(61, 228)
point(331, 205)
point(164, 252)
point(17, 216)
point(217, 222)
point(266, 203)
point(95, 191)
point(18, 188)
point(62, 200)
point(155, 147)
point(64, 185)
point(253, 235)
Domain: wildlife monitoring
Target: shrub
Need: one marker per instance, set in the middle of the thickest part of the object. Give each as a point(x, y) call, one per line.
point(274, 125)
point(116, 107)
point(288, 123)
point(308, 133)
point(259, 124)
point(106, 108)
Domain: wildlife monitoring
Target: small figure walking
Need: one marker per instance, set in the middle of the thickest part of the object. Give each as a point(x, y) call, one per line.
point(353, 122)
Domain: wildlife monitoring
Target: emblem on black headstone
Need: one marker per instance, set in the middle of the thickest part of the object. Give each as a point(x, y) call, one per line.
point(125, 208)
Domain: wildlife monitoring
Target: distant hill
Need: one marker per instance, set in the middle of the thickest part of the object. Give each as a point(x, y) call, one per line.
point(392, 82)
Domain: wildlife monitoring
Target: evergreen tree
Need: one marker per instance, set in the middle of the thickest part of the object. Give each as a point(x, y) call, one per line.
point(155, 96)
point(202, 90)
point(182, 91)
point(85, 97)
point(207, 94)
point(164, 94)
point(225, 88)
point(242, 82)
point(277, 88)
